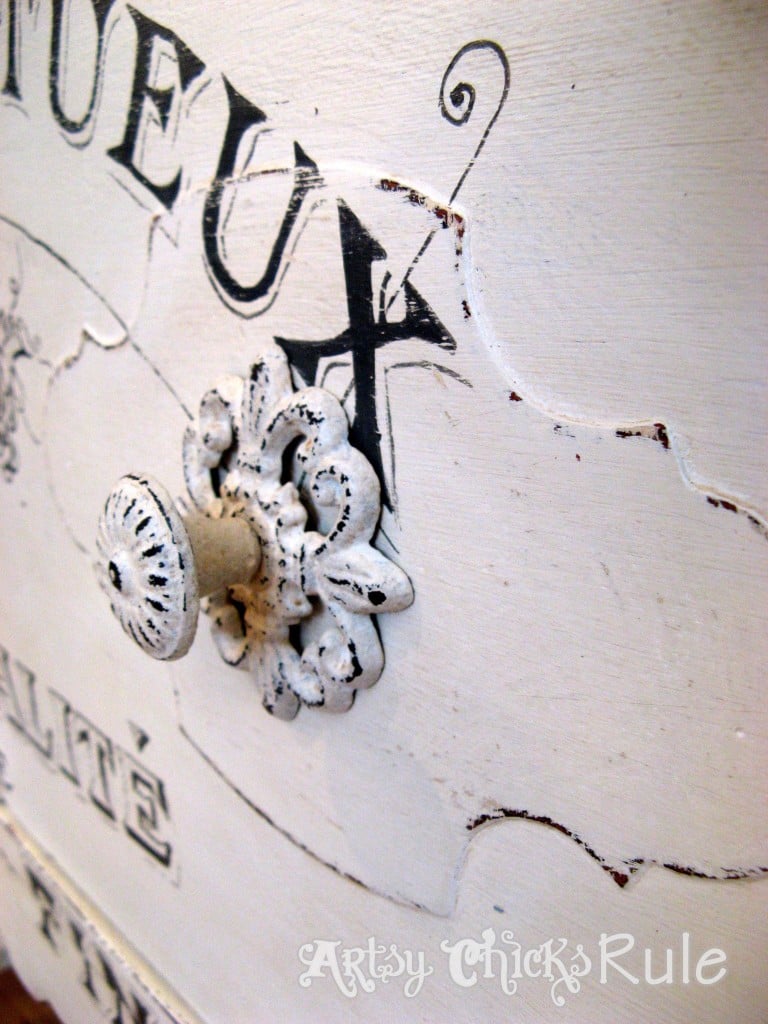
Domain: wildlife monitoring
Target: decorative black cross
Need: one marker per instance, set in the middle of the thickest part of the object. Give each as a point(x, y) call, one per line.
point(367, 332)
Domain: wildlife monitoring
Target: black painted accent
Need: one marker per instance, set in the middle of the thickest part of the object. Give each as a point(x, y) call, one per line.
point(368, 331)
point(190, 66)
point(78, 933)
point(244, 115)
point(101, 9)
point(48, 921)
point(114, 576)
point(137, 1012)
point(11, 86)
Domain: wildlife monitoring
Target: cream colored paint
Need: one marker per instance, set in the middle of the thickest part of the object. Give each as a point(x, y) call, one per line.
point(587, 643)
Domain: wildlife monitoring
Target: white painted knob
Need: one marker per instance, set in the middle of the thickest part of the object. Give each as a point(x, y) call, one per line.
point(155, 566)
point(280, 545)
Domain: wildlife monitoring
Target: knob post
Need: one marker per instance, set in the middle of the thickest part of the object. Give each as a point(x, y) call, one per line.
point(155, 565)
point(226, 551)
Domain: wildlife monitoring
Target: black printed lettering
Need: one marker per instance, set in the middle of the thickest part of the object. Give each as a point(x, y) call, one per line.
point(78, 937)
point(11, 86)
point(49, 922)
point(137, 1012)
point(20, 688)
point(146, 810)
point(92, 744)
point(243, 116)
point(155, 103)
point(61, 11)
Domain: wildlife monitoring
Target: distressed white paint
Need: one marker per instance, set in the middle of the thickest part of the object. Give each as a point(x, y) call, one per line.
point(587, 643)
point(53, 930)
point(267, 553)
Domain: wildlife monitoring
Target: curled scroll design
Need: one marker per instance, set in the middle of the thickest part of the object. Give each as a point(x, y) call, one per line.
point(462, 97)
point(282, 460)
point(457, 110)
point(16, 342)
point(458, 101)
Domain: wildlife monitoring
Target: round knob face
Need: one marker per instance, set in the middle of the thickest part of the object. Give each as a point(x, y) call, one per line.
point(146, 567)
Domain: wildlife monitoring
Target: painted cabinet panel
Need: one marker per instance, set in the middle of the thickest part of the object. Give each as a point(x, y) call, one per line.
point(459, 315)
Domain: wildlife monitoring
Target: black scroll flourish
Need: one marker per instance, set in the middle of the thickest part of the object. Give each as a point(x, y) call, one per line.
point(462, 98)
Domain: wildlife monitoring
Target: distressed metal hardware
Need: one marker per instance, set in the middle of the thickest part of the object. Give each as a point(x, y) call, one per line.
point(275, 548)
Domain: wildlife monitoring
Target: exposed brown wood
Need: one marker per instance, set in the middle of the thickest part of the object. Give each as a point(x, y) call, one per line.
point(18, 1007)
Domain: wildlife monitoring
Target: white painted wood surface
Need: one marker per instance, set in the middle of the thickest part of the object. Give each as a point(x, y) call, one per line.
point(568, 739)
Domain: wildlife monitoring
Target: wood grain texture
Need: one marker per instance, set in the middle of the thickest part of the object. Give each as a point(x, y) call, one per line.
point(546, 327)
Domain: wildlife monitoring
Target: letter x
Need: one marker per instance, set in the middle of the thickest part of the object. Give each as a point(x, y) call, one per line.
point(367, 331)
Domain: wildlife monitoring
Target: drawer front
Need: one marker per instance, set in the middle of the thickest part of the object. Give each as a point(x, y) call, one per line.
point(513, 262)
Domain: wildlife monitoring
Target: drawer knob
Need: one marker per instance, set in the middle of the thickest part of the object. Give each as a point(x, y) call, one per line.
point(155, 565)
point(275, 546)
